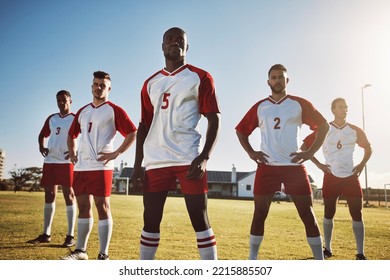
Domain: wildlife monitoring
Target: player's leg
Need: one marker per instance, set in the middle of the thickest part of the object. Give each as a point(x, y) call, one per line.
point(49, 208)
point(304, 205)
point(262, 205)
point(197, 209)
point(354, 196)
point(153, 212)
point(328, 224)
point(105, 225)
point(71, 214)
point(85, 220)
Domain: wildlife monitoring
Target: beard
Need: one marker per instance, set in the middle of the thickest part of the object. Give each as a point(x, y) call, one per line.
point(278, 89)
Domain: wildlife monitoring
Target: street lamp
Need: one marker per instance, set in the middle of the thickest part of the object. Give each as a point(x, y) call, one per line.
point(364, 128)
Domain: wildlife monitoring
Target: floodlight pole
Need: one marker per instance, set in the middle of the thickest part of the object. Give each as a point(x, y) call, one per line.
point(364, 128)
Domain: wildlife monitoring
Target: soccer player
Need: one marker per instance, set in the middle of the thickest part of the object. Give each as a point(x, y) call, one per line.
point(57, 169)
point(98, 123)
point(172, 102)
point(279, 118)
point(341, 176)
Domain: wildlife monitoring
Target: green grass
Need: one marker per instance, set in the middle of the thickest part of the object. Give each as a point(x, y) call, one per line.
point(21, 219)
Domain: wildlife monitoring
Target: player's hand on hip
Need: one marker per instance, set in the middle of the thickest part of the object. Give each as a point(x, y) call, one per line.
point(106, 157)
point(44, 151)
point(301, 157)
point(259, 157)
point(197, 169)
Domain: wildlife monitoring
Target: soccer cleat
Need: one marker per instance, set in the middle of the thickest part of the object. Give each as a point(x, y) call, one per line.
point(361, 257)
point(103, 257)
point(327, 254)
point(69, 241)
point(76, 255)
point(43, 238)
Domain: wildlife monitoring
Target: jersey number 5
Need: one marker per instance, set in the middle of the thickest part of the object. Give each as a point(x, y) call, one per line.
point(165, 100)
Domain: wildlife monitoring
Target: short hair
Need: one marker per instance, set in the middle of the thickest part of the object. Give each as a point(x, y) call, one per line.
point(174, 28)
point(63, 92)
point(335, 101)
point(101, 75)
point(277, 67)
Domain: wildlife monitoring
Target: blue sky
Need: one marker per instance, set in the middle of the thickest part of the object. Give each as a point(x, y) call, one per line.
point(331, 49)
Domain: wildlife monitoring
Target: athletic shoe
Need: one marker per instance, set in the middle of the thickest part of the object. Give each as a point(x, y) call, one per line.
point(69, 241)
point(327, 254)
point(361, 257)
point(43, 238)
point(76, 255)
point(103, 257)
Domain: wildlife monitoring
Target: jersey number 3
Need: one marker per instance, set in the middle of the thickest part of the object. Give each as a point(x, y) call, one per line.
point(165, 101)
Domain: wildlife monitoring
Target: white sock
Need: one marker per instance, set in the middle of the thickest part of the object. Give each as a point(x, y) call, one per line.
point(105, 232)
point(328, 225)
point(316, 247)
point(84, 228)
point(207, 244)
point(358, 231)
point(48, 215)
point(71, 216)
point(254, 246)
point(148, 245)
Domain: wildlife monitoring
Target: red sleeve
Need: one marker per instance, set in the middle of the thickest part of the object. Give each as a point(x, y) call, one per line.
point(147, 109)
point(362, 140)
point(250, 121)
point(123, 124)
point(75, 128)
point(208, 102)
point(45, 131)
point(310, 115)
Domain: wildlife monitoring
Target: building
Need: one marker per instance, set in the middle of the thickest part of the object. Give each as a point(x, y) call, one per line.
point(2, 164)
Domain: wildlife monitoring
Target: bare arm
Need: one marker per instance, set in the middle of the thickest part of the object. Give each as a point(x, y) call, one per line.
point(127, 142)
point(257, 156)
point(41, 141)
point(72, 148)
point(300, 157)
point(198, 165)
point(367, 154)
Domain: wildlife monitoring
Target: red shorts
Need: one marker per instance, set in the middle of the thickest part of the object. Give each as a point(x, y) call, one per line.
point(96, 183)
point(165, 179)
point(57, 174)
point(269, 179)
point(335, 186)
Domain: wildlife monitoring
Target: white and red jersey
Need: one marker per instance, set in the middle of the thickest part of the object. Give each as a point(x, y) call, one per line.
point(280, 124)
point(172, 104)
point(56, 127)
point(339, 146)
point(98, 127)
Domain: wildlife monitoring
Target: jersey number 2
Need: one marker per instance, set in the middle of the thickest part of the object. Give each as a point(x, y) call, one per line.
point(277, 123)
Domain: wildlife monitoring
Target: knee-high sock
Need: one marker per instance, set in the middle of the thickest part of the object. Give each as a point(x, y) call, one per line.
point(71, 212)
point(254, 246)
point(148, 245)
point(84, 228)
point(359, 232)
point(316, 247)
point(48, 215)
point(105, 232)
point(207, 244)
point(328, 225)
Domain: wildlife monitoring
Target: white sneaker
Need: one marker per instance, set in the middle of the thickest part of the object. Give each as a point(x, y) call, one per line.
point(76, 255)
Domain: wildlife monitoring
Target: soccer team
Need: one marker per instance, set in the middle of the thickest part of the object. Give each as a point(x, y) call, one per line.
point(79, 157)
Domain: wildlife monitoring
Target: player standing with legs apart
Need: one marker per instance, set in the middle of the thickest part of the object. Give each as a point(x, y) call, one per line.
point(279, 118)
point(173, 101)
point(341, 177)
point(98, 123)
point(57, 169)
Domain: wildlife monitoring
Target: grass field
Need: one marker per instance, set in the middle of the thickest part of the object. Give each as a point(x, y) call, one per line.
point(22, 214)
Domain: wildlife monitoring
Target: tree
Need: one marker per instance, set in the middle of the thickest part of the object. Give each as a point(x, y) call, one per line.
point(25, 176)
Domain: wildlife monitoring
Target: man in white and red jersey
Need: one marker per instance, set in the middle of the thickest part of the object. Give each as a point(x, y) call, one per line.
point(57, 169)
point(98, 123)
point(168, 141)
point(280, 117)
point(341, 177)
